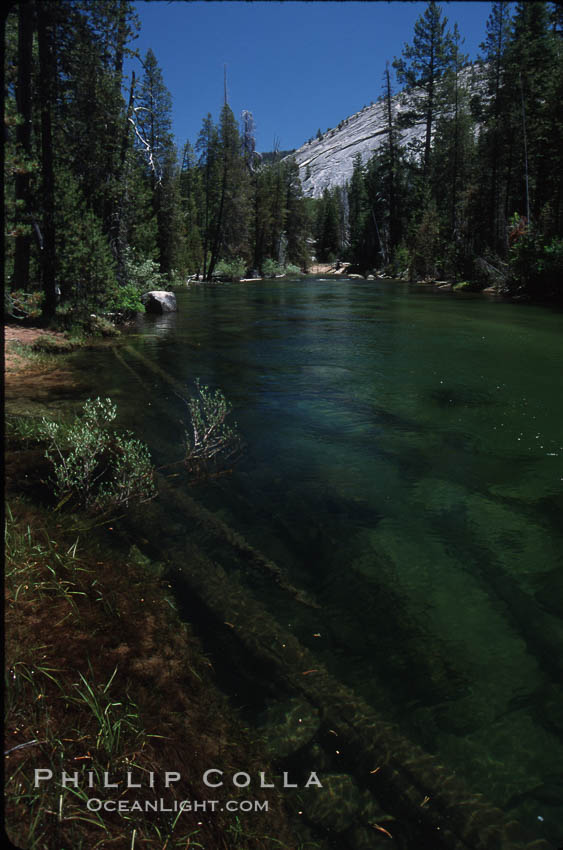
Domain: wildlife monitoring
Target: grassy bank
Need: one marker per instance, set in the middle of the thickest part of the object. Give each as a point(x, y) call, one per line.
point(102, 677)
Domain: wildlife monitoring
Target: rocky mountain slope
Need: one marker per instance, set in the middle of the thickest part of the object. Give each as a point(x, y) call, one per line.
point(327, 162)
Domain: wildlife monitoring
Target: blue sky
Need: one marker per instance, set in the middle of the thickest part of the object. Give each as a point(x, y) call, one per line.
point(297, 66)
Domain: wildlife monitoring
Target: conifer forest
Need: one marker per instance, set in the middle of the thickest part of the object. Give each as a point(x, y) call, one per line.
point(92, 171)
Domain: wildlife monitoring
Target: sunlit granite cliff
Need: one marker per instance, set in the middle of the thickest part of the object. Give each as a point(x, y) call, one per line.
point(328, 161)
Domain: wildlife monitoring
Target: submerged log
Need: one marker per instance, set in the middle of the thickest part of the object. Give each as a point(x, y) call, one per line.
point(216, 526)
point(405, 780)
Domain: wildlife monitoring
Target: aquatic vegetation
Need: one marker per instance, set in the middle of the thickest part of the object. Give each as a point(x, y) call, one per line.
point(24, 429)
point(95, 467)
point(209, 440)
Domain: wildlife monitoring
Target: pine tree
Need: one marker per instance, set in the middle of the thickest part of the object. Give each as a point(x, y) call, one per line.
point(230, 230)
point(172, 242)
point(453, 159)
point(390, 159)
point(191, 200)
point(153, 118)
point(328, 226)
point(494, 50)
point(534, 66)
point(357, 210)
point(262, 218)
point(153, 131)
point(296, 218)
point(422, 65)
point(26, 13)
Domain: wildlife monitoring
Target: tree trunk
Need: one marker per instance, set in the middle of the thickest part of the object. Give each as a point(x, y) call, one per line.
point(119, 236)
point(219, 229)
point(46, 86)
point(23, 138)
point(393, 235)
point(116, 203)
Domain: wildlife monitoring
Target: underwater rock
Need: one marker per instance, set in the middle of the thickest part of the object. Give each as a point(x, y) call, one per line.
point(335, 805)
point(316, 758)
point(136, 557)
point(371, 811)
point(288, 726)
point(549, 709)
point(550, 596)
point(158, 301)
point(439, 496)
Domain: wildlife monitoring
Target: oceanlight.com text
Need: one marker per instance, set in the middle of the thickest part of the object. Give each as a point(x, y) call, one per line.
point(94, 804)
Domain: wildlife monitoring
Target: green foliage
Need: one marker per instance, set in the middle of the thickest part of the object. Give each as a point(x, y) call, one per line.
point(112, 716)
point(125, 299)
point(224, 206)
point(536, 266)
point(94, 325)
point(423, 63)
point(230, 269)
point(426, 247)
point(467, 286)
point(94, 467)
point(25, 429)
point(271, 268)
point(400, 260)
point(142, 273)
point(329, 225)
point(22, 305)
point(85, 263)
point(209, 441)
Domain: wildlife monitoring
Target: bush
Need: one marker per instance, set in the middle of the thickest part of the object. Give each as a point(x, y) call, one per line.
point(96, 325)
point(208, 438)
point(536, 266)
point(142, 275)
point(125, 299)
point(230, 269)
point(94, 467)
point(399, 262)
point(468, 286)
point(271, 268)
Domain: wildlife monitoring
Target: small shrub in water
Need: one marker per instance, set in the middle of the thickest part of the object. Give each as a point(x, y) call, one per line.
point(209, 439)
point(95, 467)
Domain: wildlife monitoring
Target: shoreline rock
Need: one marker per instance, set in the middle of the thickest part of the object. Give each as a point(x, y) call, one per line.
point(159, 301)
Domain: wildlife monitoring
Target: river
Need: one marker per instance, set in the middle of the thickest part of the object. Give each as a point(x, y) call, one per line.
point(403, 467)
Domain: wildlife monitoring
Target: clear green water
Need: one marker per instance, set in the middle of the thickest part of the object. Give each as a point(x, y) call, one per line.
point(404, 466)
